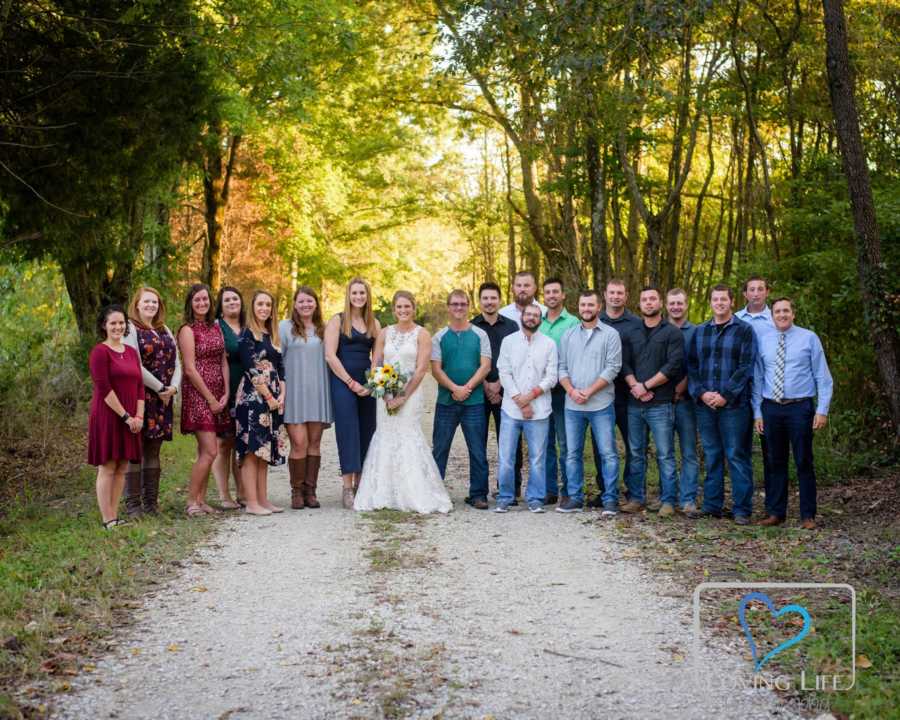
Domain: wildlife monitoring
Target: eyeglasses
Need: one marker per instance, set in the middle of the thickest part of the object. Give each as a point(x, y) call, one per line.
point(459, 304)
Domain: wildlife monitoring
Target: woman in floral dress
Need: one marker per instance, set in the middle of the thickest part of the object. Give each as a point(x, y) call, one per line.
point(204, 405)
point(261, 437)
point(161, 372)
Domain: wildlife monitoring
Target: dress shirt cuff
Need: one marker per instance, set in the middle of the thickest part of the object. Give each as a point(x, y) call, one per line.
point(822, 410)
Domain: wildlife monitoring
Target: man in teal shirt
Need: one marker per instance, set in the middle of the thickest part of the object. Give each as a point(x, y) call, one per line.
point(555, 323)
point(460, 360)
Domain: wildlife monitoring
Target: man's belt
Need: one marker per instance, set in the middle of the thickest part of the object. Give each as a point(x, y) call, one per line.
point(789, 401)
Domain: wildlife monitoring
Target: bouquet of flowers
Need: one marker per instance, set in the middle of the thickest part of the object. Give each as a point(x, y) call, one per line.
point(386, 381)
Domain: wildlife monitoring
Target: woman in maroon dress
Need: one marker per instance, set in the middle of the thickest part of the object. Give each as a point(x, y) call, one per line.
point(161, 369)
point(117, 411)
point(204, 404)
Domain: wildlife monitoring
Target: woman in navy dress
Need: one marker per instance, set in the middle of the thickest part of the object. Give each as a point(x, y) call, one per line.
point(261, 437)
point(349, 338)
point(232, 320)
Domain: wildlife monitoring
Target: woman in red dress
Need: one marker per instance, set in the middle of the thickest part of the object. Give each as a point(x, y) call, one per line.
point(117, 411)
point(204, 404)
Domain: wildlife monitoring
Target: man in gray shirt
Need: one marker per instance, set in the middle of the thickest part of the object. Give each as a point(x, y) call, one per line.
point(590, 357)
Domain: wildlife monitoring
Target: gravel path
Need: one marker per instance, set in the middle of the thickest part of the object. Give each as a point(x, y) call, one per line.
point(328, 614)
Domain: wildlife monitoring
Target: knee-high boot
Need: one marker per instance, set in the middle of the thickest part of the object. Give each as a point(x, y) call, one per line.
point(297, 469)
point(150, 482)
point(312, 479)
point(133, 494)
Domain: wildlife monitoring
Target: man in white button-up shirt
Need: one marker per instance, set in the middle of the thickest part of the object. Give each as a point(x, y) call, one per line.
point(528, 368)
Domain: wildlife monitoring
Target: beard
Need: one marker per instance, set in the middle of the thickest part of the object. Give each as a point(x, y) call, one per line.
point(588, 316)
point(531, 325)
point(653, 313)
point(524, 299)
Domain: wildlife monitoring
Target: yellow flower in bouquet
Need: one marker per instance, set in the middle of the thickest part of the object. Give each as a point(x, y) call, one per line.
point(386, 381)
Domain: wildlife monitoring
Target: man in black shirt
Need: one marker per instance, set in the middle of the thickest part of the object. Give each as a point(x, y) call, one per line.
point(497, 327)
point(618, 317)
point(652, 362)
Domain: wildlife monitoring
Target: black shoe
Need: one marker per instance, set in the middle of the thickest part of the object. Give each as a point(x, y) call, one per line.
point(515, 502)
point(596, 502)
point(551, 500)
point(715, 514)
point(477, 503)
point(741, 520)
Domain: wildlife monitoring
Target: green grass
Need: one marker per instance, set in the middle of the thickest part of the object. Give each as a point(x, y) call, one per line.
point(66, 584)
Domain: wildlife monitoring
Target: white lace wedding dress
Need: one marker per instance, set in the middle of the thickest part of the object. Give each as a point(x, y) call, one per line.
point(399, 471)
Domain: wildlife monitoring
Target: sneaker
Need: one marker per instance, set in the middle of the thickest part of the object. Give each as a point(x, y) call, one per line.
point(666, 510)
point(501, 508)
point(714, 514)
point(515, 502)
point(741, 520)
point(632, 506)
point(609, 510)
point(536, 507)
point(477, 503)
point(551, 500)
point(596, 502)
point(569, 506)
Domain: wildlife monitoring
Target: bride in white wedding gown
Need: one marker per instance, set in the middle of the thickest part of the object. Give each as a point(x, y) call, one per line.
point(399, 471)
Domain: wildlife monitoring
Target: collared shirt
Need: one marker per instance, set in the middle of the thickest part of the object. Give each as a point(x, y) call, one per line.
point(587, 355)
point(512, 312)
point(650, 350)
point(525, 364)
point(625, 322)
point(761, 322)
point(720, 359)
point(557, 328)
point(496, 332)
point(806, 371)
point(460, 353)
point(687, 333)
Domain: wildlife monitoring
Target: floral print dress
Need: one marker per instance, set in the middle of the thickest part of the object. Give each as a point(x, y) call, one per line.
point(260, 431)
point(158, 355)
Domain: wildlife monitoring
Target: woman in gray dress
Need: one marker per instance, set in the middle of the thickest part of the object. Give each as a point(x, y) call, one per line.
point(307, 409)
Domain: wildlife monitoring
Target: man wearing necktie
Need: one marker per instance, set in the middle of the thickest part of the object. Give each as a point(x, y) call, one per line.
point(792, 390)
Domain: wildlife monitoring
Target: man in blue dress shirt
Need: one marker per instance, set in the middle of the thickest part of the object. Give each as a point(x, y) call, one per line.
point(792, 390)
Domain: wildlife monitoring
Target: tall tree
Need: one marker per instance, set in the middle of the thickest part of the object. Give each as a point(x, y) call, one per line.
point(880, 314)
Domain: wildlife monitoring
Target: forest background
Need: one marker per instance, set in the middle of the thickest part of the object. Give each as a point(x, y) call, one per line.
point(433, 144)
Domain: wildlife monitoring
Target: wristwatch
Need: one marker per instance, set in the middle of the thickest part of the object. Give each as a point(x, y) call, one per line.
point(126, 417)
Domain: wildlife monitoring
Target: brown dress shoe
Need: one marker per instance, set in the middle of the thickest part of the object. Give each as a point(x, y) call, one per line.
point(771, 521)
point(313, 462)
point(808, 524)
point(632, 507)
point(297, 472)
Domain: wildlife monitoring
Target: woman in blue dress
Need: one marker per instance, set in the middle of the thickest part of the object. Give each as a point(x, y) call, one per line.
point(349, 338)
point(260, 437)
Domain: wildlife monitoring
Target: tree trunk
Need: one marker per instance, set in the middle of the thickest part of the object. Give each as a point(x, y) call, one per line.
point(510, 226)
point(596, 171)
point(877, 308)
point(218, 167)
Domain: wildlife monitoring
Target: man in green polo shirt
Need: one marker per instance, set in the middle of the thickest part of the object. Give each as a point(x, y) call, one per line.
point(554, 325)
point(460, 360)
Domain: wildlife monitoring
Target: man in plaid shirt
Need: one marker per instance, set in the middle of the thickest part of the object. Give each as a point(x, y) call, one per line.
point(720, 363)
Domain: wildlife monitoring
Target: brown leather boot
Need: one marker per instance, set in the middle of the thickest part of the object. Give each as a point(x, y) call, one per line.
point(312, 479)
point(133, 494)
point(150, 483)
point(297, 469)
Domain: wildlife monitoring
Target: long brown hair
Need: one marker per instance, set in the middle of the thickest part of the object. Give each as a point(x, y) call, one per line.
point(159, 320)
point(269, 327)
point(367, 313)
point(189, 318)
point(297, 328)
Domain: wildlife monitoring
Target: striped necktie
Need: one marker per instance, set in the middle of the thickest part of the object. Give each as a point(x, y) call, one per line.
point(778, 382)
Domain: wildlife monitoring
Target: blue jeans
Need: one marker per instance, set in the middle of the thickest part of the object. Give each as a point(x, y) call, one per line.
point(603, 423)
point(660, 419)
point(723, 434)
point(789, 427)
point(686, 428)
point(535, 432)
point(557, 436)
point(471, 417)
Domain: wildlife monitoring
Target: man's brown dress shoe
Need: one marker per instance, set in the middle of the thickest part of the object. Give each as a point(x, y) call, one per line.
point(771, 521)
point(808, 524)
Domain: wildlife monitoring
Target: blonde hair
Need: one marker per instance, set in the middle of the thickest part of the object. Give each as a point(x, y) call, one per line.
point(269, 327)
point(405, 294)
point(367, 313)
point(159, 320)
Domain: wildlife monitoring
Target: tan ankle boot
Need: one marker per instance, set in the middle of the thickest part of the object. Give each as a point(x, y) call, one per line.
point(313, 462)
point(133, 494)
point(297, 468)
